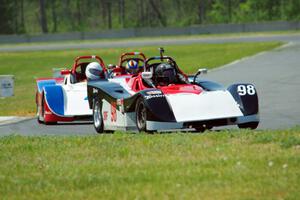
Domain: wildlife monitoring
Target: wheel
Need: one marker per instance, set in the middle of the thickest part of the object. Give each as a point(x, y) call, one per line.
point(141, 115)
point(200, 129)
point(250, 125)
point(41, 116)
point(40, 112)
point(97, 116)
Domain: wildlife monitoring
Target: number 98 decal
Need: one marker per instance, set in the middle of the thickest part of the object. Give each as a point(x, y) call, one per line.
point(246, 90)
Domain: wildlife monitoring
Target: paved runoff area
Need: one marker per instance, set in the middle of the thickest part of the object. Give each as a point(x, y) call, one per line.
point(276, 75)
point(148, 42)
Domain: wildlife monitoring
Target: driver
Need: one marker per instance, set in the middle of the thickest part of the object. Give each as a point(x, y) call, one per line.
point(94, 71)
point(165, 74)
point(132, 67)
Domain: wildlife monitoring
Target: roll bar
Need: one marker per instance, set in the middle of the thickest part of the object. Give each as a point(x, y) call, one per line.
point(131, 54)
point(76, 62)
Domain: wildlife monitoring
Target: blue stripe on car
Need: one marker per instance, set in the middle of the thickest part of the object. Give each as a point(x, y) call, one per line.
point(43, 83)
point(55, 99)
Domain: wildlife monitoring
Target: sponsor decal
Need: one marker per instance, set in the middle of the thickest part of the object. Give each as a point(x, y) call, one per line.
point(154, 96)
point(95, 91)
point(105, 115)
point(113, 112)
point(153, 92)
point(120, 102)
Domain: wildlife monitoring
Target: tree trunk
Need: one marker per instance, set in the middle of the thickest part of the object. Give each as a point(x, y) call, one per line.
point(78, 15)
point(229, 11)
point(16, 16)
point(22, 26)
point(43, 17)
point(140, 13)
point(122, 13)
point(109, 19)
point(158, 13)
point(201, 11)
point(54, 16)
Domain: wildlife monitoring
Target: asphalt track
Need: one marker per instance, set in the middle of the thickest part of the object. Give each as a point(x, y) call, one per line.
point(148, 42)
point(276, 75)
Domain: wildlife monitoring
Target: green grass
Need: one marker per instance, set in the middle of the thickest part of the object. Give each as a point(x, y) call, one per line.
point(214, 165)
point(27, 66)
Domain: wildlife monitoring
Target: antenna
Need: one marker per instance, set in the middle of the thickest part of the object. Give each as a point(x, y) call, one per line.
point(161, 51)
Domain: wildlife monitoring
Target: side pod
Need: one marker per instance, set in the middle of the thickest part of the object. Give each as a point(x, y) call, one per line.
point(55, 99)
point(42, 83)
point(246, 96)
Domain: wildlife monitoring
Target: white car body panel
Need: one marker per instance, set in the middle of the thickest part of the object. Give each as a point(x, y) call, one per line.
point(75, 99)
point(203, 106)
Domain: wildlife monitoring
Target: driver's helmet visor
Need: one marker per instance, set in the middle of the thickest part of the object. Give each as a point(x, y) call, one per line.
point(167, 77)
point(96, 72)
point(170, 73)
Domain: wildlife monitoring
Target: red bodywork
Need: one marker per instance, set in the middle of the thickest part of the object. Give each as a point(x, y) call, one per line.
point(182, 88)
point(136, 83)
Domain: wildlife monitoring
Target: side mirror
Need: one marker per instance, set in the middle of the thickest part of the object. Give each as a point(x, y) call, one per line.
point(200, 71)
point(65, 72)
point(146, 75)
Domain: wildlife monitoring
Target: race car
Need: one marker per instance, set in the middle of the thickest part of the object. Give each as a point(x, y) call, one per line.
point(162, 97)
point(65, 99)
point(129, 63)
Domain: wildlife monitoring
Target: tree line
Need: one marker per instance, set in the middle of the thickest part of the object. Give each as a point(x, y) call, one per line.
point(52, 16)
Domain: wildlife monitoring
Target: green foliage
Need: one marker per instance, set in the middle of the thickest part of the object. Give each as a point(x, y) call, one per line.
point(24, 16)
point(212, 165)
point(28, 66)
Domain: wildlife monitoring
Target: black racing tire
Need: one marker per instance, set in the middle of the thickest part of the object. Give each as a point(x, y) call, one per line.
point(43, 114)
point(249, 125)
point(141, 115)
point(200, 129)
point(40, 112)
point(38, 109)
point(39, 116)
point(97, 117)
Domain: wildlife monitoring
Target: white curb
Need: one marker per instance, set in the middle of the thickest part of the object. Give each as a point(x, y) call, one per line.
point(12, 119)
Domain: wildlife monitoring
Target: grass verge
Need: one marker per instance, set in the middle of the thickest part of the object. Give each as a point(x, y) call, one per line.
point(237, 164)
point(27, 66)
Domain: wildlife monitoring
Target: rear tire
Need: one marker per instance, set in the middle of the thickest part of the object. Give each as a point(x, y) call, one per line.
point(249, 125)
point(141, 115)
point(38, 111)
point(97, 116)
point(39, 120)
point(42, 114)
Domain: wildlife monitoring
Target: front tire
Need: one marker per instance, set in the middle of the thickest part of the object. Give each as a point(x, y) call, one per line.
point(39, 118)
point(141, 115)
point(38, 110)
point(249, 125)
point(97, 116)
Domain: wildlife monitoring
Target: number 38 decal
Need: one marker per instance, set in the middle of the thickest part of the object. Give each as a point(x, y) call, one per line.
point(246, 90)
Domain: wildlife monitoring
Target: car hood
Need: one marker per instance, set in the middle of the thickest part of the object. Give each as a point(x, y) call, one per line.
point(203, 106)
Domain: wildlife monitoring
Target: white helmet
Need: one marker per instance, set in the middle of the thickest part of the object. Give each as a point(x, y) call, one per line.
point(132, 66)
point(93, 71)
